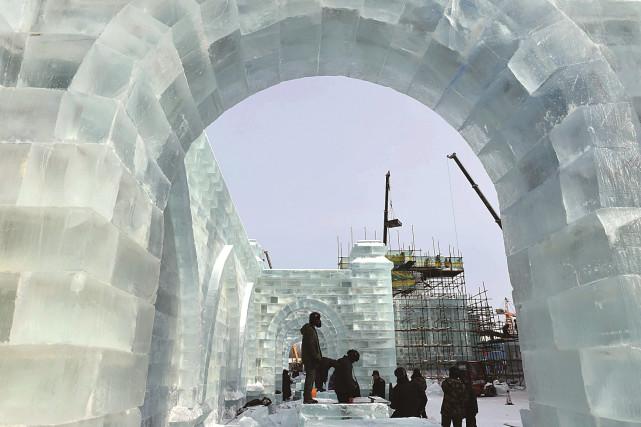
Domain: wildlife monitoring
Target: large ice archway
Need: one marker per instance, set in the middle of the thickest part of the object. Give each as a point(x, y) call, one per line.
point(285, 328)
point(112, 208)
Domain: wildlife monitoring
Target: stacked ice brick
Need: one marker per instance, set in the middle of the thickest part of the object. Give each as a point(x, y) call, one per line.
point(104, 278)
point(100, 101)
point(356, 309)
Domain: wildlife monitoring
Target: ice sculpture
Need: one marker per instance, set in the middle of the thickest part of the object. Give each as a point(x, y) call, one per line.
point(356, 309)
point(126, 278)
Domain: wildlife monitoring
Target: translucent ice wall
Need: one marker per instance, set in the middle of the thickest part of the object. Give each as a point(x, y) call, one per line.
point(355, 306)
point(101, 101)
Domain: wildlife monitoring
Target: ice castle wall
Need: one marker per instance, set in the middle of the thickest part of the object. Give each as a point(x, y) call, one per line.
point(356, 309)
point(101, 101)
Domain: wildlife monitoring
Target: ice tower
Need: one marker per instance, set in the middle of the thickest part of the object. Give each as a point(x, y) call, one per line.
point(126, 278)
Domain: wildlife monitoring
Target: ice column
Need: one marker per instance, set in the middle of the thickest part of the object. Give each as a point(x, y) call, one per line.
point(80, 264)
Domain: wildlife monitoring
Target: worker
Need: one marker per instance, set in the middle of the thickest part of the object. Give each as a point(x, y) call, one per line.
point(265, 401)
point(506, 330)
point(345, 383)
point(322, 372)
point(311, 354)
point(471, 404)
point(378, 385)
point(421, 384)
point(453, 406)
point(405, 396)
point(287, 385)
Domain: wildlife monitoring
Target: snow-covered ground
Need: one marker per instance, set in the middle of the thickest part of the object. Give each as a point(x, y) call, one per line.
point(493, 412)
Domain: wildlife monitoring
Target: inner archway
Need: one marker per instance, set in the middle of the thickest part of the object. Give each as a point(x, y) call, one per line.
point(331, 336)
point(99, 127)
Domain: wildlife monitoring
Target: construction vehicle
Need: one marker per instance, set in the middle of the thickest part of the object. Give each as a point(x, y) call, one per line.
point(476, 373)
point(476, 188)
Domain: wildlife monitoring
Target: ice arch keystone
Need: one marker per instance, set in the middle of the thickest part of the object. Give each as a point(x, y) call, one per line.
point(112, 208)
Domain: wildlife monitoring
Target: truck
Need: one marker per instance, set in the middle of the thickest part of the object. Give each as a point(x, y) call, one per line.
point(476, 373)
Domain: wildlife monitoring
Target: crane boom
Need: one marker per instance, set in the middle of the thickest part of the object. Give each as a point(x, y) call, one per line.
point(476, 188)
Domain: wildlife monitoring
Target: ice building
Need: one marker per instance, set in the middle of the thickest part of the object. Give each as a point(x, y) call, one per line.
point(356, 309)
point(121, 301)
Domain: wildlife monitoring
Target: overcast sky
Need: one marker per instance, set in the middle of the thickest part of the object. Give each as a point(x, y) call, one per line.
point(306, 160)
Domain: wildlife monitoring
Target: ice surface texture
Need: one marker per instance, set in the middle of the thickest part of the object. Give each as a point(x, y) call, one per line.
point(111, 202)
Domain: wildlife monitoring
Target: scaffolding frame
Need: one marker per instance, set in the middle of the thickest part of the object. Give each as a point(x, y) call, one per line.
point(438, 324)
point(432, 329)
point(498, 345)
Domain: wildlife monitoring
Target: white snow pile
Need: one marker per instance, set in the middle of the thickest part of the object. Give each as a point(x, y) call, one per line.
point(255, 388)
point(501, 388)
point(434, 388)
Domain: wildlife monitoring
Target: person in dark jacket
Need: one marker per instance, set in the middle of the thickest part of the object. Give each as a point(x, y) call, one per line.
point(378, 385)
point(405, 396)
point(265, 401)
point(287, 385)
point(421, 384)
point(322, 372)
point(453, 406)
point(471, 405)
point(311, 354)
point(345, 384)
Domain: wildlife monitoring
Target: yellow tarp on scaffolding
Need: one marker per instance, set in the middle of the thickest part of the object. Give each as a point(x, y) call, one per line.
point(402, 279)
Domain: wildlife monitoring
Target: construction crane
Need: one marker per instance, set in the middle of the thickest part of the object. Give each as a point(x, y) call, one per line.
point(269, 261)
point(388, 223)
point(476, 188)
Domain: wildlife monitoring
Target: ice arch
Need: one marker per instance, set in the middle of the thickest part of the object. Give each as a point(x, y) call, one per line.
point(284, 328)
point(107, 201)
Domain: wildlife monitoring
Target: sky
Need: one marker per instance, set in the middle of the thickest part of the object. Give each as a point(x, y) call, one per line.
point(305, 163)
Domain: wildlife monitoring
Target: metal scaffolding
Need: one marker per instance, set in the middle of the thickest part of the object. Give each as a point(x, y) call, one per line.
point(438, 324)
point(498, 345)
point(430, 308)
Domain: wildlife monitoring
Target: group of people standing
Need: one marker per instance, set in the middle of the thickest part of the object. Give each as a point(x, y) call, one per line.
point(408, 398)
point(459, 400)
